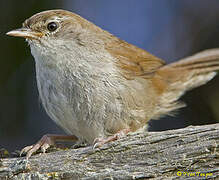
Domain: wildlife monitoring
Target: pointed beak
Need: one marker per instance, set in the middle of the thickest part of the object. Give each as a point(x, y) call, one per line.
point(25, 33)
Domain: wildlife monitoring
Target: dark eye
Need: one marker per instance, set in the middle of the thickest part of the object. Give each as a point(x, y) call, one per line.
point(52, 26)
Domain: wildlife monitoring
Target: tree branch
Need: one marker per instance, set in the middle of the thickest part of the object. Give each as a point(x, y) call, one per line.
point(156, 155)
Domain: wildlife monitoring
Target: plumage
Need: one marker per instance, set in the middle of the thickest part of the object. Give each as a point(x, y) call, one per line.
point(95, 85)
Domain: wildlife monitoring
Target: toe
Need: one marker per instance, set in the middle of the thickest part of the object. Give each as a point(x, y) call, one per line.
point(44, 147)
point(33, 150)
point(98, 142)
point(26, 149)
point(45, 142)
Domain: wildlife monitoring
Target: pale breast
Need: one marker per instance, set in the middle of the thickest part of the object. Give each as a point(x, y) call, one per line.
point(88, 99)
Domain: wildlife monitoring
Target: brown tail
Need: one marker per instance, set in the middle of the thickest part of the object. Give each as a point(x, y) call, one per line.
point(174, 79)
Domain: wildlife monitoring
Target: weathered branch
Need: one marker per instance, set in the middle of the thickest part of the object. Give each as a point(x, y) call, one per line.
point(154, 155)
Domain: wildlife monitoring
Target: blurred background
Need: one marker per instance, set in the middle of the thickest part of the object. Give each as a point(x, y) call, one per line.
point(168, 29)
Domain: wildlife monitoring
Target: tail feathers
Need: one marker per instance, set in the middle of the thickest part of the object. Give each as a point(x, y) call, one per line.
point(184, 75)
point(193, 71)
point(203, 62)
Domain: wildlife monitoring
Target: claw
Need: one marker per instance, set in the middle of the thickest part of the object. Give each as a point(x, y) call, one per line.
point(26, 149)
point(98, 142)
point(44, 143)
point(33, 150)
point(44, 147)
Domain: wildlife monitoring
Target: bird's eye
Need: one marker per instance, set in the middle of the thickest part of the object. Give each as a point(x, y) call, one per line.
point(52, 26)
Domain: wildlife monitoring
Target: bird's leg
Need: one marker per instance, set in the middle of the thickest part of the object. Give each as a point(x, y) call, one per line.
point(45, 142)
point(98, 142)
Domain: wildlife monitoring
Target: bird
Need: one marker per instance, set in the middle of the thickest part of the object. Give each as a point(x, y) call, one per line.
point(99, 88)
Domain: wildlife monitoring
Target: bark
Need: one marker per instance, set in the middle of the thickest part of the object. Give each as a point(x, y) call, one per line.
point(189, 153)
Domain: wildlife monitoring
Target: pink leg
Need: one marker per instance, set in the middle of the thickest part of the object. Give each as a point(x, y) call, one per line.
point(98, 142)
point(45, 142)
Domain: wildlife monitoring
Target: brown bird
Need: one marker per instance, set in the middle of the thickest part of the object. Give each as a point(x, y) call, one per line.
point(98, 87)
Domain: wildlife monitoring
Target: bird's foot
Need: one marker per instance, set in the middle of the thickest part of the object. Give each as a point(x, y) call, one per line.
point(44, 143)
point(98, 142)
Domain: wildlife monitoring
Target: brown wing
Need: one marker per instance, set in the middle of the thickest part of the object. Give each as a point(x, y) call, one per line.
point(132, 60)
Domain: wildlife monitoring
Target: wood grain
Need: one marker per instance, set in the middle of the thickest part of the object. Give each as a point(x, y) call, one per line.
point(153, 155)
